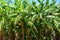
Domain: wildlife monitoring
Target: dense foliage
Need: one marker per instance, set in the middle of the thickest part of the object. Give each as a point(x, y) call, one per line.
point(25, 20)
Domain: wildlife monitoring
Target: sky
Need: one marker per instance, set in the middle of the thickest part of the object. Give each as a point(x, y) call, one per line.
point(57, 1)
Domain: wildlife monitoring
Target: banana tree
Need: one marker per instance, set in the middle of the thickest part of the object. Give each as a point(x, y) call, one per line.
point(25, 20)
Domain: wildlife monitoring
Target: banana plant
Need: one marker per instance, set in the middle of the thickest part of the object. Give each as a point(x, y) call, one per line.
point(29, 19)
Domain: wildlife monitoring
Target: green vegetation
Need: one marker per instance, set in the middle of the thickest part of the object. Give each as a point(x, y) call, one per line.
point(25, 20)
